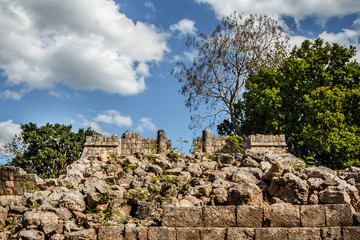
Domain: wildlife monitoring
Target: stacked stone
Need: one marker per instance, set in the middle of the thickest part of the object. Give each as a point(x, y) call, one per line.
point(98, 144)
point(15, 181)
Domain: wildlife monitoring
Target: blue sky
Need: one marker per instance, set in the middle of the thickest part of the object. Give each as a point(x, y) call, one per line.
point(106, 64)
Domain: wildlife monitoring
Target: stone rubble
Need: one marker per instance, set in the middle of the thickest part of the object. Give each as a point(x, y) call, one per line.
point(157, 196)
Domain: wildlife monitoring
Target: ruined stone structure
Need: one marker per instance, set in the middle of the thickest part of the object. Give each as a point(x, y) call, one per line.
point(213, 144)
point(129, 143)
point(261, 193)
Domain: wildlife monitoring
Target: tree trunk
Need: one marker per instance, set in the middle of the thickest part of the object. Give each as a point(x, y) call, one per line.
point(235, 124)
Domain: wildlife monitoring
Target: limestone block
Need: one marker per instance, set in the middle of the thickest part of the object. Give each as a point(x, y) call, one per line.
point(182, 216)
point(3, 215)
point(271, 233)
point(330, 233)
point(136, 233)
point(52, 228)
point(240, 233)
point(8, 191)
point(88, 234)
point(304, 233)
point(219, 216)
point(213, 233)
point(338, 215)
point(312, 215)
point(351, 233)
point(282, 215)
point(2, 191)
point(162, 233)
point(111, 232)
point(31, 234)
point(188, 233)
point(36, 218)
point(249, 216)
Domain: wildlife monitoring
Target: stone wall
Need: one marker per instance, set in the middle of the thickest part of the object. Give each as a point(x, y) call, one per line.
point(213, 144)
point(129, 143)
point(15, 181)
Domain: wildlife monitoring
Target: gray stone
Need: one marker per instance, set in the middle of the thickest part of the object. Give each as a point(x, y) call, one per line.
point(136, 233)
point(271, 233)
point(245, 194)
point(182, 216)
point(289, 188)
point(219, 216)
point(219, 196)
point(282, 215)
point(3, 215)
point(240, 233)
point(31, 235)
point(276, 170)
point(88, 234)
point(334, 195)
point(111, 232)
point(249, 162)
point(73, 201)
point(338, 215)
point(243, 176)
point(303, 233)
point(33, 219)
point(315, 183)
point(249, 216)
point(319, 172)
point(189, 233)
point(154, 169)
point(212, 233)
point(162, 233)
point(312, 215)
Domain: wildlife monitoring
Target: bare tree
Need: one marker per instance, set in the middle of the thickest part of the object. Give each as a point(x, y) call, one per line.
point(224, 60)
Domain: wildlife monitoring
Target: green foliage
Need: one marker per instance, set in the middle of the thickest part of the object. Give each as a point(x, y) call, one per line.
point(234, 144)
point(314, 99)
point(46, 150)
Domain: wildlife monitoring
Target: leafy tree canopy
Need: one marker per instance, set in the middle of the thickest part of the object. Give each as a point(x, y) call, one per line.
point(46, 150)
point(314, 99)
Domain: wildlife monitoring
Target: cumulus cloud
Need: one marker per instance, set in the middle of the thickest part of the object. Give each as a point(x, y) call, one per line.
point(88, 123)
point(113, 117)
point(146, 124)
point(84, 44)
point(185, 27)
point(323, 9)
point(8, 129)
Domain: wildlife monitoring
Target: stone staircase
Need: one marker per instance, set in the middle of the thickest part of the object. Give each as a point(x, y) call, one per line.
point(273, 222)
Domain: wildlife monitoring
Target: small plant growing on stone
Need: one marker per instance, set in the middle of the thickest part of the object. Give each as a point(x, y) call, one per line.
point(181, 141)
point(234, 145)
point(136, 194)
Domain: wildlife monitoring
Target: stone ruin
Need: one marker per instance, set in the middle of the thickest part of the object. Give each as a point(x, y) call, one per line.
point(149, 193)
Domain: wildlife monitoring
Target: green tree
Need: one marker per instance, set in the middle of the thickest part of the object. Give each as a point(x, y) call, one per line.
point(46, 150)
point(224, 60)
point(314, 99)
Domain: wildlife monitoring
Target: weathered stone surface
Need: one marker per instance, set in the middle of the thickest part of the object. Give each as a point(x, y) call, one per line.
point(282, 215)
point(319, 172)
point(338, 215)
point(351, 233)
point(182, 216)
point(33, 219)
point(276, 170)
point(212, 233)
point(304, 233)
point(88, 234)
point(219, 196)
point(330, 233)
point(219, 216)
point(52, 228)
point(2, 216)
point(188, 233)
point(315, 183)
point(111, 232)
point(356, 218)
point(249, 216)
point(243, 176)
point(271, 233)
point(312, 215)
point(289, 188)
point(245, 194)
point(249, 162)
point(162, 233)
point(31, 235)
point(334, 195)
point(240, 233)
point(136, 233)
point(121, 205)
point(73, 201)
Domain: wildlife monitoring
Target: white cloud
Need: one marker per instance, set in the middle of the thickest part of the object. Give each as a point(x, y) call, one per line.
point(85, 44)
point(113, 117)
point(146, 124)
point(323, 9)
point(8, 130)
point(93, 125)
point(185, 27)
point(8, 94)
point(150, 5)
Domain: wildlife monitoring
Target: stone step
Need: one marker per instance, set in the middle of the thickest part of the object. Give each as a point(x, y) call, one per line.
point(277, 215)
point(232, 233)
